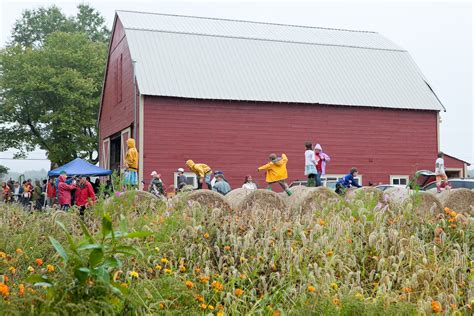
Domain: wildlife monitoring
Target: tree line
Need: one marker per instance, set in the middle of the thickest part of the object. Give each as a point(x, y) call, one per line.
point(51, 73)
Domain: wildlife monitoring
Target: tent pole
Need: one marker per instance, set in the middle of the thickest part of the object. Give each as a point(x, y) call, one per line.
point(46, 193)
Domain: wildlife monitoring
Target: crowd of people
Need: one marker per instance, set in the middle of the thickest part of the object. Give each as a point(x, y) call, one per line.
point(61, 192)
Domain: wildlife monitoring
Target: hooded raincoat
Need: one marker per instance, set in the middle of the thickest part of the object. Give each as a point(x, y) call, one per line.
point(131, 159)
point(64, 191)
point(199, 169)
point(276, 169)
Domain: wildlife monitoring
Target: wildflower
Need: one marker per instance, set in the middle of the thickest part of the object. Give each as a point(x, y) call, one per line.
point(189, 284)
point(329, 253)
point(31, 269)
point(182, 268)
point(12, 270)
point(436, 307)
point(206, 235)
point(407, 290)
point(157, 249)
point(452, 220)
point(216, 285)
point(453, 214)
point(50, 268)
point(334, 286)
point(134, 274)
point(243, 259)
point(197, 270)
point(203, 306)
point(276, 313)
point(210, 307)
point(2, 255)
point(158, 267)
point(19, 251)
point(238, 292)
point(124, 285)
point(4, 289)
point(204, 279)
point(322, 222)
point(227, 248)
point(289, 232)
point(21, 290)
point(220, 314)
point(164, 260)
point(453, 226)
point(168, 271)
point(220, 307)
point(311, 289)
point(243, 276)
point(39, 262)
point(359, 296)
point(336, 301)
point(446, 210)
point(349, 241)
point(199, 298)
point(162, 306)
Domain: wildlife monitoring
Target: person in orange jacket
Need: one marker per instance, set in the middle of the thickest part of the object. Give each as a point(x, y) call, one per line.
point(276, 172)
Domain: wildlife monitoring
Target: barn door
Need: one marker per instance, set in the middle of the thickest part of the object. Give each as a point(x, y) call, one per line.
point(105, 159)
point(125, 135)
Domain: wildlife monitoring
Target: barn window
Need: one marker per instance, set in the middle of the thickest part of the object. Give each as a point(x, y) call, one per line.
point(191, 179)
point(399, 180)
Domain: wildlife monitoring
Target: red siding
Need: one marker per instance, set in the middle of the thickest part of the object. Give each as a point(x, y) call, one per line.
point(452, 162)
point(117, 104)
point(236, 137)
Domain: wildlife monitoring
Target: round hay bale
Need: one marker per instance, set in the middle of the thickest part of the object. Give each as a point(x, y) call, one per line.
point(187, 188)
point(297, 188)
point(365, 194)
point(396, 195)
point(298, 194)
point(262, 200)
point(316, 199)
point(459, 200)
point(207, 198)
point(425, 203)
point(236, 197)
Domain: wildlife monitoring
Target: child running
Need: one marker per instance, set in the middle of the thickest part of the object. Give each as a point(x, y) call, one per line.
point(276, 172)
point(202, 171)
point(347, 181)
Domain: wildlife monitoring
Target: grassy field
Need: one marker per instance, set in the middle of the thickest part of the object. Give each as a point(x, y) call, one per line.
point(135, 257)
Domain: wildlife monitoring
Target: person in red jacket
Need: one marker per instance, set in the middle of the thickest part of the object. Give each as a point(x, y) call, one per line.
point(85, 195)
point(50, 193)
point(64, 192)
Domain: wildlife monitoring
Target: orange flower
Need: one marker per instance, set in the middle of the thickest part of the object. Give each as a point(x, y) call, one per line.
point(6, 278)
point(227, 248)
point(276, 313)
point(21, 290)
point(220, 307)
point(39, 262)
point(189, 284)
point(407, 290)
point(238, 292)
point(216, 285)
point(197, 270)
point(204, 279)
point(349, 241)
point(2, 255)
point(446, 210)
point(4, 290)
point(453, 214)
point(329, 253)
point(322, 222)
point(336, 302)
point(203, 306)
point(311, 289)
point(206, 235)
point(436, 307)
point(199, 298)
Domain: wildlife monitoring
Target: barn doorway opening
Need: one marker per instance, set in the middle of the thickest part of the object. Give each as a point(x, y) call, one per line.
point(453, 173)
point(115, 150)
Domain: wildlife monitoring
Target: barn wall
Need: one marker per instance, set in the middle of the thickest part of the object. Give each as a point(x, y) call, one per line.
point(237, 137)
point(117, 111)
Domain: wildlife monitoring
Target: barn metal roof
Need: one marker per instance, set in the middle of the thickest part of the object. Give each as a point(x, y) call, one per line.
point(207, 58)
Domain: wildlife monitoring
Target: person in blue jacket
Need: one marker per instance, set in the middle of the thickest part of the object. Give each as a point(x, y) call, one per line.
point(347, 181)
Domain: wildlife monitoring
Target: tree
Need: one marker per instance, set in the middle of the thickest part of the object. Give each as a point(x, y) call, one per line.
point(3, 171)
point(50, 84)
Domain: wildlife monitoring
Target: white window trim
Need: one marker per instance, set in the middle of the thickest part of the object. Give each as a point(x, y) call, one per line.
point(460, 170)
point(188, 175)
point(392, 177)
point(106, 157)
point(339, 176)
point(124, 150)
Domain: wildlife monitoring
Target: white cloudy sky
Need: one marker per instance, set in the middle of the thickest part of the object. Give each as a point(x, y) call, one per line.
point(437, 34)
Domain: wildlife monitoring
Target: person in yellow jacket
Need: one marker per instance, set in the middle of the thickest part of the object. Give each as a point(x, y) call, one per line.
point(202, 171)
point(276, 172)
point(131, 164)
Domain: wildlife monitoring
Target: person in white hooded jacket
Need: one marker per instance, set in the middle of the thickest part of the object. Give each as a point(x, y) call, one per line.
point(322, 158)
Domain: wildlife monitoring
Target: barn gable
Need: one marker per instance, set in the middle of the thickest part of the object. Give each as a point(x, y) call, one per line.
point(217, 59)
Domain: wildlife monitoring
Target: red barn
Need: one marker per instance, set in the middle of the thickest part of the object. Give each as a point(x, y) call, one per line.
point(228, 93)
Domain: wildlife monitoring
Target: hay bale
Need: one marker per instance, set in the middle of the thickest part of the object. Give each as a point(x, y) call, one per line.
point(187, 188)
point(206, 198)
point(297, 188)
point(396, 195)
point(262, 200)
point(315, 199)
point(365, 194)
point(459, 200)
point(425, 203)
point(298, 194)
point(236, 197)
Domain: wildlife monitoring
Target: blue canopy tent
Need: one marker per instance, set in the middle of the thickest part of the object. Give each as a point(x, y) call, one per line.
point(79, 167)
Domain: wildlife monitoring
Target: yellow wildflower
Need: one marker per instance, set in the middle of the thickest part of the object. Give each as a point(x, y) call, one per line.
point(204, 279)
point(134, 274)
point(50, 268)
point(182, 268)
point(322, 222)
point(199, 298)
point(31, 269)
point(329, 253)
point(216, 285)
point(164, 260)
point(12, 270)
point(168, 271)
point(125, 285)
point(203, 306)
point(19, 251)
point(189, 284)
point(158, 267)
point(311, 289)
point(206, 235)
point(210, 307)
point(21, 290)
point(2, 255)
point(359, 296)
point(220, 314)
point(334, 286)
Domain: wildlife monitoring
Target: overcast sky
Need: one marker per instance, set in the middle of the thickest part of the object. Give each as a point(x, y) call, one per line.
point(438, 35)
